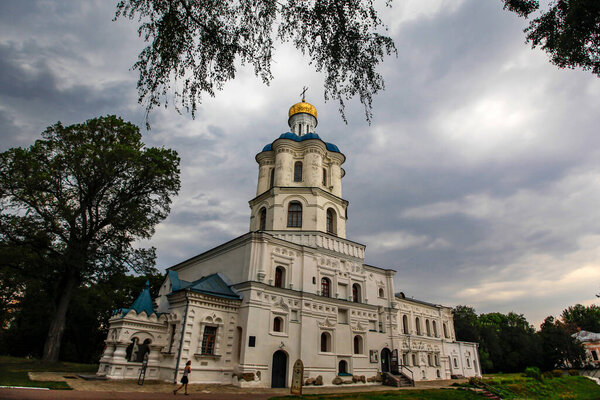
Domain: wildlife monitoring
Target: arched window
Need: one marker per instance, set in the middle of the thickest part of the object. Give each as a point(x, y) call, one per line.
point(358, 345)
point(131, 350)
point(277, 323)
point(279, 275)
point(445, 331)
point(434, 328)
point(331, 228)
point(418, 325)
point(343, 367)
point(427, 327)
point(405, 325)
point(381, 292)
point(325, 287)
point(324, 177)
point(429, 362)
point(436, 360)
point(263, 219)
point(405, 358)
point(298, 171)
point(325, 342)
point(414, 360)
point(295, 215)
point(356, 293)
point(438, 373)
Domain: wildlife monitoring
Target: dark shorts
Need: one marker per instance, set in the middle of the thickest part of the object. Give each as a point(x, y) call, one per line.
point(184, 379)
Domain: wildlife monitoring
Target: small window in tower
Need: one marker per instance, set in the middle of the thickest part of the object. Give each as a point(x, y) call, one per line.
point(272, 179)
point(324, 177)
point(277, 323)
point(295, 215)
point(263, 219)
point(298, 171)
point(331, 221)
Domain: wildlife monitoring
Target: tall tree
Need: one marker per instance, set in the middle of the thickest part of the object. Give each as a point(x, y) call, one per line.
point(582, 317)
point(559, 348)
point(78, 199)
point(196, 44)
point(569, 31)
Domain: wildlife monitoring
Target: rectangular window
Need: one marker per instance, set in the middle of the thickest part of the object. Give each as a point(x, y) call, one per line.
point(252, 341)
point(342, 316)
point(324, 177)
point(208, 340)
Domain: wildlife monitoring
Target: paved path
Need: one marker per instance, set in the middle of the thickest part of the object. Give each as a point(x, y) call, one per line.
point(129, 390)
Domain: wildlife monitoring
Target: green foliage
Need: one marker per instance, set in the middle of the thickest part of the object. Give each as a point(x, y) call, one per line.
point(569, 31)
point(582, 317)
point(432, 394)
point(557, 373)
point(194, 45)
point(533, 372)
point(559, 349)
point(74, 203)
point(567, 387)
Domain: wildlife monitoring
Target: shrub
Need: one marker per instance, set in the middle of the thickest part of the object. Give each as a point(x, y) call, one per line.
point(547, 375)
point(573, 372)
point(474, 381)
point(533, 372)
point(557, 373)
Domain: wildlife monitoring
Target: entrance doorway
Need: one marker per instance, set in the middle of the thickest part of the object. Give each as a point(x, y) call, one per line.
point(279, 369)
point(385, 359)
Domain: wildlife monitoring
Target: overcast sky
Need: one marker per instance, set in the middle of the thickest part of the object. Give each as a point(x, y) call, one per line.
point(478, 180)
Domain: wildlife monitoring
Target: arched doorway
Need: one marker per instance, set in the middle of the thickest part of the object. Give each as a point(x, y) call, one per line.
point(385, 359)
point(279, 369)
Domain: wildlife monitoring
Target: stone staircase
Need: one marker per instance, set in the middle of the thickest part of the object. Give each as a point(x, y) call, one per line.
point(399, 380)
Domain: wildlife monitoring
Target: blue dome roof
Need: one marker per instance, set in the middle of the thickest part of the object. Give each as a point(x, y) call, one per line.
point(296, 138)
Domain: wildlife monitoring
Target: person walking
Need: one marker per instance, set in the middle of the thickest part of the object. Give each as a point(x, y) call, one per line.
point(184, 378)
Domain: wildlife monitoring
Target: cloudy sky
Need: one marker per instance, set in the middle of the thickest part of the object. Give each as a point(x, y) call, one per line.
point(478, 180)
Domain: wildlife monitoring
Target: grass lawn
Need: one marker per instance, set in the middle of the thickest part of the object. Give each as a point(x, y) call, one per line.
point(13, 372)
point(431, 394)
point(516, 386)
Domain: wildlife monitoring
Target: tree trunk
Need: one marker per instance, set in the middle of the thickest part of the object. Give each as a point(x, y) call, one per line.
point(57, 325)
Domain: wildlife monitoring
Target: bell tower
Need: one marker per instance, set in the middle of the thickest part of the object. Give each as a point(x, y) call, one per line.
point(300, 180)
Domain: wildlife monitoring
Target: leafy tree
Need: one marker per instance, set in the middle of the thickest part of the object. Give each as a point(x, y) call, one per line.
point(77, 200)
point(582, 317)
point(569, 31)
point(196, 43)
point(559, 348)
point(465, 323)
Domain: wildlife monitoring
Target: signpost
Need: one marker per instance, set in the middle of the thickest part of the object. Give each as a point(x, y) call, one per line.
point(297, 377)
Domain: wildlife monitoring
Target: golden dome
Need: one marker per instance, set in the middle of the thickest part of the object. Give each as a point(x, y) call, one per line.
point(302, 107)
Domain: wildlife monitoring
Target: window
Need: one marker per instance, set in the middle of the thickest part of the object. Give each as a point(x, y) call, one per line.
point(381, 292)
point(405, 325)
point(427, 328)
point(343, 367)
point(429, 362)
point(405, 358)
point(445, 331)
point(129, 351)
point(325, 286)
point(331, 228)
point(325, 342)
point(468, 363)
point(279, 274)
point(277, 323)
point(414, 360)
point(342, 316)
point(356, 293)
point(272, 179)
point(358, 345)
point(434, 329)
point(436, 360)
point(208, 340)
point(324, 177)
point(594, 355)
point(455, 362)
point(298, 171)
point(418, 325)
point(251, 341)
point(295, 215)
point(262, 219)
point(438, 373)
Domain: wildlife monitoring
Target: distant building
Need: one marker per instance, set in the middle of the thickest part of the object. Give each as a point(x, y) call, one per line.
point(293, 287)
point(591, 343)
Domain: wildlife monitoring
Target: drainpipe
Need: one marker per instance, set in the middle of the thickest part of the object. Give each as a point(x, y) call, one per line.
point(187, 305)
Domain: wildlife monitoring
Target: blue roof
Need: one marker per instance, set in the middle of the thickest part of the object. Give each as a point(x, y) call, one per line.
point(296, 138)
point(142, 303)
point(214, 285)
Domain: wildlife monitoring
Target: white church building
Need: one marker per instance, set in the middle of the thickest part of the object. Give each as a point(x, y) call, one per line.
point(291, 288)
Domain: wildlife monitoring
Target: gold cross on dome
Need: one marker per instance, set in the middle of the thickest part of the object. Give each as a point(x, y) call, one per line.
point(304, 92)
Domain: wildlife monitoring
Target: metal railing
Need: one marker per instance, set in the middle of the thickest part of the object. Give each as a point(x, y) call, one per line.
point(412, 377)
